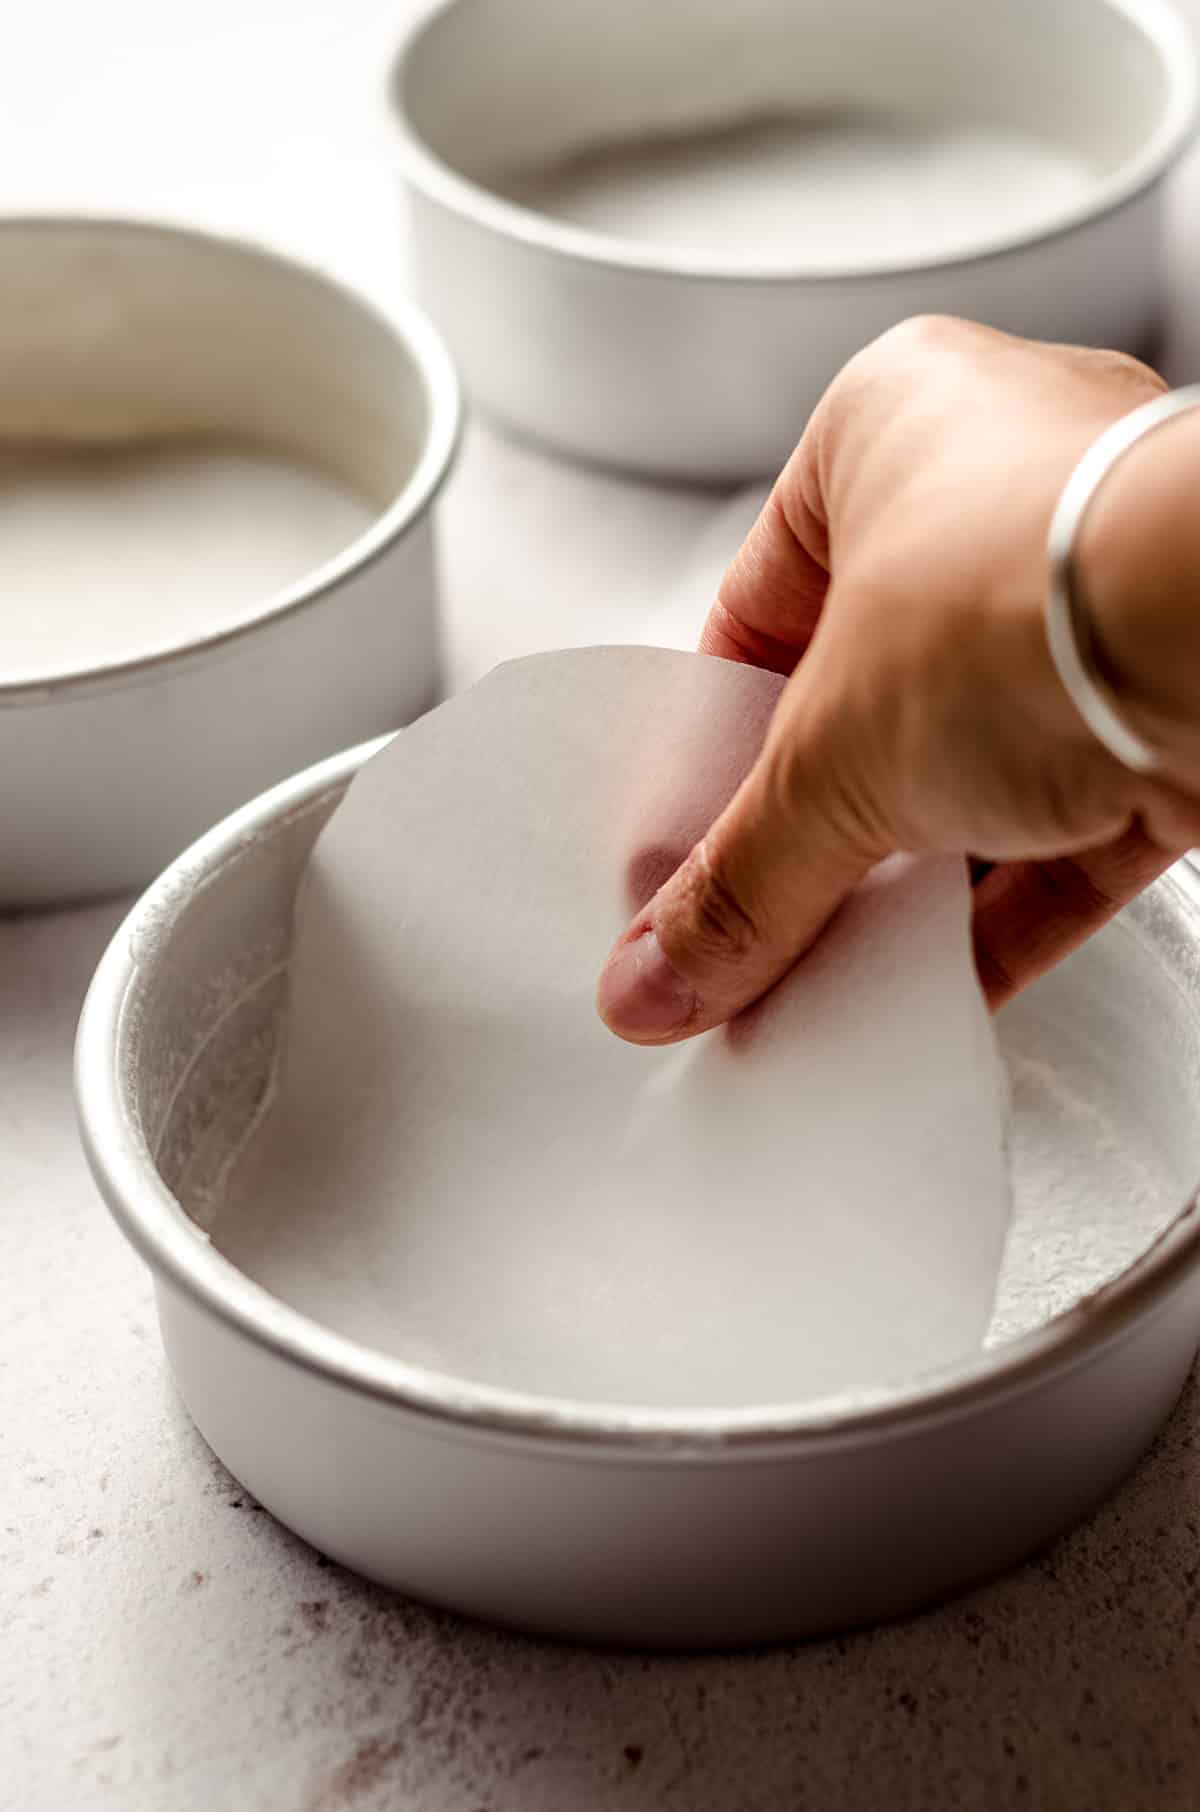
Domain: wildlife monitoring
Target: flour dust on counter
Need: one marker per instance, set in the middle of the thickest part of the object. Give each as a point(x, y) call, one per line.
point(110, 553)
point(830, 190)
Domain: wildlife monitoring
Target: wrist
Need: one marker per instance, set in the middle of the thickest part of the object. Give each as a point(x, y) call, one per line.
point(1137, 561)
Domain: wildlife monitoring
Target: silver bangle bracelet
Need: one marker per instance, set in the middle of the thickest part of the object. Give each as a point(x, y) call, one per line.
point(1069, 632)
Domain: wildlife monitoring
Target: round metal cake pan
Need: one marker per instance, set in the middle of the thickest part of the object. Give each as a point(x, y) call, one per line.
point(615, 1524)
point(115, 332)
point(681, 361)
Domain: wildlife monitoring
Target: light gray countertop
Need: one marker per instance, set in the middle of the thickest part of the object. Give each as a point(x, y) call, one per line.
point(163, 1643)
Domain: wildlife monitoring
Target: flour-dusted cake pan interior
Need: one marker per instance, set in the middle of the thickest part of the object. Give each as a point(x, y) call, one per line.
point(597, 1520)
point(711, 207)
point(216, 471)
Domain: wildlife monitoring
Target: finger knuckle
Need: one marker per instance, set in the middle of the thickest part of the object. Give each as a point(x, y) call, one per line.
point(723, 928)
point(913, 350)
point(1121, 369)
point(928, 333)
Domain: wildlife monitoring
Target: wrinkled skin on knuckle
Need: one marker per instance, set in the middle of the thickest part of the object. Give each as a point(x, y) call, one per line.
point(797, 495)
point(709, 916)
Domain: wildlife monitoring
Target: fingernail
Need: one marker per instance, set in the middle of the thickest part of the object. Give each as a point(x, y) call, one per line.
point(640, 994)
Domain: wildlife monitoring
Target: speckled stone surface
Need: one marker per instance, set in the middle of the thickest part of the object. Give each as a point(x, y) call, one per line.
point(168, 1646)
point(164, 1645)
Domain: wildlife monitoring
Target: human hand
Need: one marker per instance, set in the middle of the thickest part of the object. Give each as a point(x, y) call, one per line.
point(897, 574)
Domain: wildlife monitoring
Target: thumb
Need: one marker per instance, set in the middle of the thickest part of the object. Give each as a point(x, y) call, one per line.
point(752, 895)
